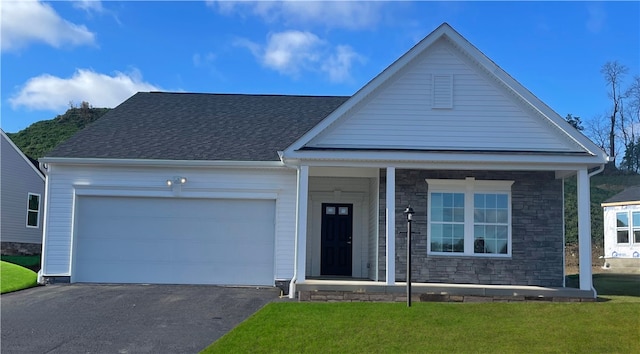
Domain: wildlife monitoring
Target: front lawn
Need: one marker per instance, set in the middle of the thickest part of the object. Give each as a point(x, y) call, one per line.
point(31, 262)
point(596, 327)
point(14, 277)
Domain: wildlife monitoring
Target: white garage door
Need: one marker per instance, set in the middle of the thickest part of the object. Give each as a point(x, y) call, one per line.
point(174, 241)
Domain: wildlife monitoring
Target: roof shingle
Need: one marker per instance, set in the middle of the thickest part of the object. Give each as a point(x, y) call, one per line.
point(194, 126)
point(631, 194)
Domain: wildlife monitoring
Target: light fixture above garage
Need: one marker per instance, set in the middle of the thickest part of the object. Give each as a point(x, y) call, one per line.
point(176, 180)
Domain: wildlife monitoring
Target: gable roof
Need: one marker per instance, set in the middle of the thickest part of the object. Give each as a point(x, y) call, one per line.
point(29, 161)
point(574, 142)
point(630, 195)
point(193, 126)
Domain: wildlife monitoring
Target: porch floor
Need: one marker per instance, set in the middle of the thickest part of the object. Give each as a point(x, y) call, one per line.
point(357, 289)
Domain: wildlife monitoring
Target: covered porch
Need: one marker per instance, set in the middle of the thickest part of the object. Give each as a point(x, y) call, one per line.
point(377, 247)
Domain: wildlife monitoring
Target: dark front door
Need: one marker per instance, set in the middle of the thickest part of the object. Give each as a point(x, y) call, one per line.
point(336, 234)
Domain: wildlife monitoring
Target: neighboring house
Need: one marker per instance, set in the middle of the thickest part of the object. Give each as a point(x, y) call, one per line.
point(622, 231)
point(22, 198)
point(265, 189)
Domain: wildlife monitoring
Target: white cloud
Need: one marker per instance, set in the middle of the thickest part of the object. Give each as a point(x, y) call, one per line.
point(289, 52)
point(48, 92)
point(89, 5)
point(334, 14)
point(338, 65)
point(23, 22)
point(292, 52)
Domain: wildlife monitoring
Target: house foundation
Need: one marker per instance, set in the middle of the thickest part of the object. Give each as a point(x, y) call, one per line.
point(363, 291)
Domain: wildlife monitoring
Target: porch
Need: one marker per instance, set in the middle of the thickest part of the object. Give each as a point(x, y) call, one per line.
point(376, 271)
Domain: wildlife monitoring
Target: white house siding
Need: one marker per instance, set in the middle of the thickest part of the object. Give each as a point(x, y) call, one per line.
point(339, 190)
point(66, 181)
point(17, 179)
point(611, 247)
point(401, 113)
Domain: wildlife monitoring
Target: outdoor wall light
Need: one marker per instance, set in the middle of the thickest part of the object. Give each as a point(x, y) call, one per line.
point(176, 180)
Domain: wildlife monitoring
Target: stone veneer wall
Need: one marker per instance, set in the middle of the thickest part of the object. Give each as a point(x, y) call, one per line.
point(537, 232)
point(20, 249)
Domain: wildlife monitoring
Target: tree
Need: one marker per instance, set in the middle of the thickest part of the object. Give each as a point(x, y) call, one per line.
point(631, 159)
point(575, 122)
point(613, 73)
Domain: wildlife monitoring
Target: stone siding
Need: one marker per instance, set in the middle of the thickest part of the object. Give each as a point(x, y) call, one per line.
point(537, 236)
point(20, 249)
point(347, 296)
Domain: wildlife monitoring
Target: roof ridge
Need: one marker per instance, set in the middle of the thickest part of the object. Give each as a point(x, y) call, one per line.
point(244, 94)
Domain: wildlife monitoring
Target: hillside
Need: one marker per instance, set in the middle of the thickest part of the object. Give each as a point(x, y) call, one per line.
point(41, 137)
point(603, 186)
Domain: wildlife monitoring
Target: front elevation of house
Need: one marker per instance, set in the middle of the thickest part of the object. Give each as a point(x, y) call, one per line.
point(308, 192)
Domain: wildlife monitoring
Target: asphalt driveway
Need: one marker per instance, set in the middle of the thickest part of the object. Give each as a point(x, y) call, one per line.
point(84, 318)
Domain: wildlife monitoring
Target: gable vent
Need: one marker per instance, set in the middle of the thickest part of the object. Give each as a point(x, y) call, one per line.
point(443, 91)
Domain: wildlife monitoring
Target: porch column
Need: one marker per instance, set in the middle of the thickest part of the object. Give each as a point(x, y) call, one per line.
point(391, 226)
point(301, 223)
point(584, 229)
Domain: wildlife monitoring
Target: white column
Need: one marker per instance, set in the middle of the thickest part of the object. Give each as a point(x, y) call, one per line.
point(391, 226)
point(584, 229)
point(301, 223)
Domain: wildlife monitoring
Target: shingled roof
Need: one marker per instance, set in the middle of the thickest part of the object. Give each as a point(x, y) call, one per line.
point(195, 126)
point(631, 194)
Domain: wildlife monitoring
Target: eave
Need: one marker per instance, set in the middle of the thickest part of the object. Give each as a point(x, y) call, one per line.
point(161, 163)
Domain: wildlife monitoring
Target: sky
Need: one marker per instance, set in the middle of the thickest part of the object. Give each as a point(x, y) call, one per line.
point(60, 53)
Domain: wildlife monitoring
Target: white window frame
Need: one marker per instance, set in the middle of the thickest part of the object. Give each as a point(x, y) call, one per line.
point(29, 210)
point(469, 186)
point(630, 228)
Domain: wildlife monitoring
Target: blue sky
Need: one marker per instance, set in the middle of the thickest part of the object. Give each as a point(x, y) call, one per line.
point(102, 52)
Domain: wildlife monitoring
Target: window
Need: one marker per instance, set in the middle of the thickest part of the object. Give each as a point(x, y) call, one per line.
point(33, 210)
point(469, 217)
point(628, 232)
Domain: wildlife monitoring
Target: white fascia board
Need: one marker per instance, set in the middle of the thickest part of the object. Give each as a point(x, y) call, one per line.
point(370, 87)
point(161, 163)
point(22, 155)
point(435, 160)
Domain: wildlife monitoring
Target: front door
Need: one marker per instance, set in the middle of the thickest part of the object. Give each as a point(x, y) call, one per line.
point(336, 235)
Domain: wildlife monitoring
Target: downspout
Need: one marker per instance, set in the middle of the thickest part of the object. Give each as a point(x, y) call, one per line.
point(595, 172)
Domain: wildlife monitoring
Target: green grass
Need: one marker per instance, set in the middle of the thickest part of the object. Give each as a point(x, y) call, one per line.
point(14, 277)
point(30, 262)
point(596, 327)
point(610, 325)
point(618, 287)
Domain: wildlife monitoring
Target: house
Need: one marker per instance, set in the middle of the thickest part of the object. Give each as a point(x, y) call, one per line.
point(308, 192)
point(21, 194)
point(622, 231)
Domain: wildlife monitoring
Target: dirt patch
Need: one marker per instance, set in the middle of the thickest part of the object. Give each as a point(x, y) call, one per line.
point(572, 264)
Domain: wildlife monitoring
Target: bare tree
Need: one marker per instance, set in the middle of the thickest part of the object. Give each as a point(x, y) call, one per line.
point(613, 73)
point(597, 129)
point(633, 103)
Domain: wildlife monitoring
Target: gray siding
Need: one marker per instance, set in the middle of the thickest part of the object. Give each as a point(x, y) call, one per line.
point(17, 179)
point(537, 236)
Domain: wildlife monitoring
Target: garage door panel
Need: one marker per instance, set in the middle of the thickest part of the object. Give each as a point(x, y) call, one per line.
point(177, 241)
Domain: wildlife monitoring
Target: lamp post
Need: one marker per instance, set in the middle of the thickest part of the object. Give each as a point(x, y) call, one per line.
point(409, 212)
